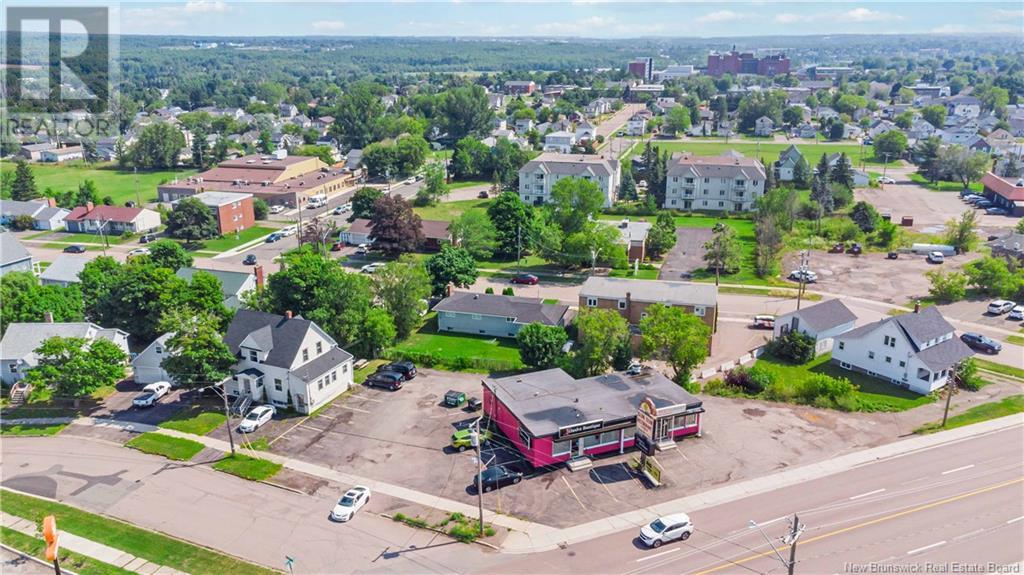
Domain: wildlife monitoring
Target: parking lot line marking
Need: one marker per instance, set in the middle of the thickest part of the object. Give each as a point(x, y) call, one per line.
point(868, 493)
point(354, 409)
point(289, 429)
point(368, 398)
point(948, 471)
point(925, 548)
point(573, 491)
point(656, 555)
point(1015, 519)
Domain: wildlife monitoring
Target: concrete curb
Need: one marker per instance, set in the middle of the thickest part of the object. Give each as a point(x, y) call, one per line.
point(33, 559)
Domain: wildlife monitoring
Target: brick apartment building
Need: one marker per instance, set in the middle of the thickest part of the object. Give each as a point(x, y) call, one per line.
point(733, 62)
point(642, 68)
point(233, 212)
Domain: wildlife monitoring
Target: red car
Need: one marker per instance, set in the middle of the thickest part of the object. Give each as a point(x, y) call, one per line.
point(526, 279)
point(336, 247)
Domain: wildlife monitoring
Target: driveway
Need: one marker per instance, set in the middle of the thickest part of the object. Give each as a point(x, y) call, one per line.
point(687, 255)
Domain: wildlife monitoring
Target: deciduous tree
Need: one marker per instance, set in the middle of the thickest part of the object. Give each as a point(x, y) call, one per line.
point(169, 254)
point(676, 337)
point(73, 367)
point(474, 232)
point(402, 288)
point(191, 220)
point(196, 353)
point(451, 265)
point(601, 332)
point(512, 221)
point(396, 228)
point(540, 346)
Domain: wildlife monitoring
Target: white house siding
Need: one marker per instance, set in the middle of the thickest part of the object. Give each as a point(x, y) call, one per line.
point(824, 340)
point(535, 188)
point(146, 365)
point(335, 382)
point(885, 364)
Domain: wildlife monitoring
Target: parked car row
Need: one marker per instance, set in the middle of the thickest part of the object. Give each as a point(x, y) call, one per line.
point(392, 376)
point(982, 202)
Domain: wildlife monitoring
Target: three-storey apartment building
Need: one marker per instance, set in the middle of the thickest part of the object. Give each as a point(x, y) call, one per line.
point(539, 175)
point(730, 182)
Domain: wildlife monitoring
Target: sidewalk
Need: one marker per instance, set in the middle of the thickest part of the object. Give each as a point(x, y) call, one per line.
point(90, 548)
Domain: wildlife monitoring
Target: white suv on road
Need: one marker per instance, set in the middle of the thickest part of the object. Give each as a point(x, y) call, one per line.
point(667, 529)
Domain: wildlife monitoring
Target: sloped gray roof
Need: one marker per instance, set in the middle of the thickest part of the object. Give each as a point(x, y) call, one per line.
point(65, 268)
point(11, 250)
point(14, 208)
point(322, 364)
point(230, 282)
point(725, 166)
point(826, 315)
point(282, 337)
point(942, 355)
point(21, 339)
point(523, 309)
point(571, 164)
point(925, 325)
point(657, 291)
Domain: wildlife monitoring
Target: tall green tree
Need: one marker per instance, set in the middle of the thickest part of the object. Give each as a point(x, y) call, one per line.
point(601, 333)
point(926, 153)
point(196, 353)
point(74, 367)
point(962, 233)
point(680, 339)
point(23, 188)
point(358, 110)
point(378, 332)
point(466, 111)
point(402, 288)
point(169, 254)
point(451, 265)
point(191, 220)
point(434, 188)
point(474, 232)
point(723, 251)
point(157, 147)
point(540, 346)
point(842, 172)
point(934, 115)
point(769, 246)
point(513, 221)
point(995, 277)
point(964, 165)
point(662, 235)
point(25, 301)
point(627, 187)
point(363, 201)
point(890, 145)
point(574, 202)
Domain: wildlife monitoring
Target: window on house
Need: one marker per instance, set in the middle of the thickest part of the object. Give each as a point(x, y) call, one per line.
point(159, 350)
point(698, 310)
point(888, 359)
point(253, 355)
point(689, 180)
point(319, 348)
point(510, 319)
point(903, 364)
point(259, 382)
point(591, 302)
point(334, 375)
point(871, 355)
point(643, 315)
point(672, 202)
point(705, 180)
point(344, 368)
point(842, 345)
point(305, 354)
point(740, 182)
point(278, 385)
point(622, 304)
point(320, 384)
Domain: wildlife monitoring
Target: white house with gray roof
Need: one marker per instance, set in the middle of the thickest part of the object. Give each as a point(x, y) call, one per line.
point(918, 351)
point(233, 285)
point(539, 175)
point(823, 322)
point(44, 213)
point(64, 270)
point(496, 315)
point(148, 365)
point(20, 341)
point(286, 361)
point(730, 182)
point(13, 256)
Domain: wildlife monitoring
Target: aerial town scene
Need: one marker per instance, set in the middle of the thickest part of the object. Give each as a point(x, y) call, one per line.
point(465, 287)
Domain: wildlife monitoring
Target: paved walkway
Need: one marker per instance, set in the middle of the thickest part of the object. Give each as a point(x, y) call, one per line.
point(90, 548)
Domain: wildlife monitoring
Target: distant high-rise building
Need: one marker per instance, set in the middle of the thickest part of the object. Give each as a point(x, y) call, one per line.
point(641, 68)
point(733, 62)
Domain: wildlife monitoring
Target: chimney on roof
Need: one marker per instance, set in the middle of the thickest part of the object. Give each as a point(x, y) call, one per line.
point(258, 270)
point(288, 314)
point(917, 306)
point(448, 289)
point(89, 206)
point(47, 317)
point(51, 202)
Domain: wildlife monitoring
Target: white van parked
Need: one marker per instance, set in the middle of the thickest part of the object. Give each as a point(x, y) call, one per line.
point(316, 202)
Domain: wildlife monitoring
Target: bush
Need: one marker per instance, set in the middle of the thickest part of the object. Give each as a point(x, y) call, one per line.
point(823, 390)
point(489, 290)
point(508, 291)
point(794, 346)
point(127, 235)
point(841, 230)
point(751, 380)
point(22, 222)
point(260, 209)
point(968, 375)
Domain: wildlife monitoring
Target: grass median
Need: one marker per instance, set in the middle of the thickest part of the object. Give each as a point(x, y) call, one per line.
point(69, 560)
point(977, 414)
point(999, 368)
point(197, 419)
point(152, 546)
point(251, 468)
point(30, 430)
point(170, 447)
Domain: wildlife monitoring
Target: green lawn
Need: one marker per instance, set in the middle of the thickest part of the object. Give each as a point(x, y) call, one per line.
point(873, 394)
point(251, 468)
point(76, 238)
point(448, 211)
point(467, 184)
point(999, 368)
point(944, 186)
point(109, 180)
point(196, 419)
point(458, 350)
point(360, 375)
point(978, 413)
point(641, 274)
point(69, 560)
point(32, 430)
point(170, 447)
point(149, 545)
point(229, 241)
point(1015, 339)
point(770, 151)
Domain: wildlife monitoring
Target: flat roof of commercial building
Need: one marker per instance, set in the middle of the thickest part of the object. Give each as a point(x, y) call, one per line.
point(545, 401)
point(215, 199)
point(656, 291)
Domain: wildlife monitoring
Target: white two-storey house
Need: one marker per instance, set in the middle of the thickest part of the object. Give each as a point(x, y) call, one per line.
point(729, 182)
point(917, 351)
point(285, 361)
point(539, 175)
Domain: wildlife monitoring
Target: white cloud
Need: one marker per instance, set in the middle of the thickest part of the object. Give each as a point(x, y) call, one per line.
point(1007, 14)
point(950, 29)
point(581, 27)
point(720, 16)
point(328, 25)
point(868, 15)
point(790, 18)
point(206, 6)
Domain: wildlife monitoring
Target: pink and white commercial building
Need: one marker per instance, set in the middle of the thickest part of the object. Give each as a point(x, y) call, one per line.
point(551, 417)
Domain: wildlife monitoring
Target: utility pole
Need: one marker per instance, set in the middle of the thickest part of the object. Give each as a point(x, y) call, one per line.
point(300, 231)
point(802, 270)
point(794, 534)
point(227, 418)
point(138, 196)
point(885, 157)
point(479, 476)
point(950, 386)
point(519, 249)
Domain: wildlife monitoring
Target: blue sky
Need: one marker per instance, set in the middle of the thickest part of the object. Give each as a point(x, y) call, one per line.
point(588, 18)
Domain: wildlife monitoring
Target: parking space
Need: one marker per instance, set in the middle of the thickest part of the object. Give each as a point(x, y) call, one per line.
point(976, 311)
point(119, 405)
point(930, 209)
point(687, 255)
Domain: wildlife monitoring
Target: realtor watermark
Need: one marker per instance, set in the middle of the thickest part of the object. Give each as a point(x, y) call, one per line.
point(59, 71)
point(933, 567)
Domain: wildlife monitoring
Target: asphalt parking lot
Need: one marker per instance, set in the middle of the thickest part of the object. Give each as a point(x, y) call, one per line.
point(930, 209)
point(119, 405)
point(687, 255)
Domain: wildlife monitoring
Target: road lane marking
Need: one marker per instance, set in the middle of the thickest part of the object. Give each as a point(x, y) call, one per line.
point(968, 535)
point(947, 472)
point(925, 548)
point(656, 555)
point(865, 524)
point(776, 520)
point(573, 491)
point(867, 494)
point(1015, 520)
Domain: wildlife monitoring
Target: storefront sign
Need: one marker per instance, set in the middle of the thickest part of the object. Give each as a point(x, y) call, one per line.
point(643, 444)
point(645, 416)
point(580, 428)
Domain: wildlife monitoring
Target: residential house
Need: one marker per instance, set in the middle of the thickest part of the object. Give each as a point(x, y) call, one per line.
point(111, 220)
point(636, 125)
point(1010, 246)
point(233, 285)
point(561, 142)
point(959, 136)
point(634, 235)
point(879, 127)
point(539, 175)
point(20, 341)
point(302, 121)
point(286, 361)
point(598, 107)
point(496, 315)
point(961, 105)
point(930, 91)
point(64, 270)
point(920, 129)
point(806, 131)
point(1004, 193)
point(764, 126)
point(585, 131)
point(524, 125)
point(729, 182)
point(979, 144)
point(57, 155)
point(44, 213)
point(13, 256)
point(435, 233)
point(33, 152)
point(786, 164)
point(824, 113)
point(496, 100)
point(822, 322)
point(147, 366)
point(918, 351)
point(286, 110)
point(632, 297)
point(852, 131)
point(234, 212)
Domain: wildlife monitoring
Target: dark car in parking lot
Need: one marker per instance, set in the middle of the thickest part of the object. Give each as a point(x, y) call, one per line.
point(273, 237)
point(498, 476)
point(406, 368)
point(146, 238)
point(981, 343)
point(75, 249)
point(387, 379)
point(250, 260)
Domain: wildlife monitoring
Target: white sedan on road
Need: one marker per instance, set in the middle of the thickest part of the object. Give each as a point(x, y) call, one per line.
point(151, 394)
point(886, 180)
point(352, 501)
point(138, 252)
point(256, 418)
point(371, 268)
